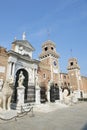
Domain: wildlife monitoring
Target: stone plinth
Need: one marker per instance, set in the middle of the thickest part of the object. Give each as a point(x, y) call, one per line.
point(21, 108)
point(20, 95)
point(8, 114)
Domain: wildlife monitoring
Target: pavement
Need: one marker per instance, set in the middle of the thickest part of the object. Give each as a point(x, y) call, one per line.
point(62, 118)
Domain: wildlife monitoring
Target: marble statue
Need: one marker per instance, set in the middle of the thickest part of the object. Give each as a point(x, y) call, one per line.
point(6, 94)
point(21, 79)
point(24, 36)
point(67, 98)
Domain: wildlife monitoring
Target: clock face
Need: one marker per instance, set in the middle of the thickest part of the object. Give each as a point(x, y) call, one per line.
point(20, 48)
point(55, 63)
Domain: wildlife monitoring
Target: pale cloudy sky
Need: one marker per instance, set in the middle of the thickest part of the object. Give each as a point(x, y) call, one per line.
point(66, 21)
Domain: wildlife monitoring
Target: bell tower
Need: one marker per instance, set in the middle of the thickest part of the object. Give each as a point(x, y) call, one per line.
point(50, 58)
point(74, 74)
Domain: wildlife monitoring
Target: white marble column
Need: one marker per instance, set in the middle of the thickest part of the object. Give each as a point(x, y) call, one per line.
point(9, 68)
point(48, 95)
point(33, 74)
point(37, 89)
point(37, 96)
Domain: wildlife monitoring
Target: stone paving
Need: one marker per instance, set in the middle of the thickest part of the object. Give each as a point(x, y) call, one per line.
point(49, 107)
point(62, 118)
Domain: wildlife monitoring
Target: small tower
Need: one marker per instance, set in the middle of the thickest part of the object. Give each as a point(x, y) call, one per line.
point(74, 74)
point(49, 57)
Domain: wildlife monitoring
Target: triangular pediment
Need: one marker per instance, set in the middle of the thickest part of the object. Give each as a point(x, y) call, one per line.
point(24, 43)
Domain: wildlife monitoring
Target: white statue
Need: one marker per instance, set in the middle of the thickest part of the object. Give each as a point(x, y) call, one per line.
point(67, 98)
point(6, 94)
point(24, 36)
point(21, 79)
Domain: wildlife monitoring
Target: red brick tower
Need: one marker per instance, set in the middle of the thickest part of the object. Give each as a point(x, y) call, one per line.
point(74, 74)
point(49, 67)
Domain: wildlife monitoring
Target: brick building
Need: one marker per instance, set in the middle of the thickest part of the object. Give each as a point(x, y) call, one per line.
point(3, 63)
point(47, 69)
point(18, 59)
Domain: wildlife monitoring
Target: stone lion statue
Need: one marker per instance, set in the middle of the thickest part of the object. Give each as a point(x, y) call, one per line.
point(67, 97)
point(6, 94)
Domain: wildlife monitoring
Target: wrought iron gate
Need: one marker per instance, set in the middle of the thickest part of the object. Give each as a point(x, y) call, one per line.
point(54, 92)
point(31, 94)
point(43, 97)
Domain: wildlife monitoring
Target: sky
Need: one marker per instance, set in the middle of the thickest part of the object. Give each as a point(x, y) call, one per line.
point(61, 21)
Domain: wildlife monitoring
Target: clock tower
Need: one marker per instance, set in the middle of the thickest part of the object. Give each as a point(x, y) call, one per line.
point(49, 58)
point(74, 74)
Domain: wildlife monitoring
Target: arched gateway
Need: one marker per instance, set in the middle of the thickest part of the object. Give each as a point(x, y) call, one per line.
point(25, 84)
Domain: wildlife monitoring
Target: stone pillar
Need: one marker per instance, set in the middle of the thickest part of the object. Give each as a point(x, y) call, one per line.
point(48, 91)
point(20, 95)
point(48, 95)
point(60, 94)
point(37, 89)
point(9, 68)
point(38, 96)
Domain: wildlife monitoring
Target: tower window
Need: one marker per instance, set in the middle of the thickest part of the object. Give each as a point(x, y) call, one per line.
point(71, 63)
point(52, 48)
point(65, 84)
point(64, 77)
point(44, 76)
point(68, 84)
point(46, 48)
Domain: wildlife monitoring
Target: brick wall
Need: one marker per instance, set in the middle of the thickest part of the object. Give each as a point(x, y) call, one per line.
point(3, 62)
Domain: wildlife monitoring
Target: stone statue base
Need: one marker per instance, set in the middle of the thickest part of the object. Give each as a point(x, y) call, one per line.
point(8, 114)
point(20, 95)
point(21, 108)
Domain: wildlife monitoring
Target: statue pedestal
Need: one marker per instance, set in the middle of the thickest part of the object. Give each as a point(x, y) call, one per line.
point(37, 96)
point(20, 98)
point(8, 114)
point(20, 95)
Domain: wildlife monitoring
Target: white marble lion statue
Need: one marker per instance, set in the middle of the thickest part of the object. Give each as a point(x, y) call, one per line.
point(6, 94)
point(67, 97)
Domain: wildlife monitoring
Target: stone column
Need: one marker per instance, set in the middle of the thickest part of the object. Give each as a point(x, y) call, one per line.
point(37, 95)
point(37, 89)
point(48, 95)
point(9, 68)
point(48, 91)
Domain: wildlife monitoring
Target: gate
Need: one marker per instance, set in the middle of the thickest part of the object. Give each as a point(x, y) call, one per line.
point(43, 97)
point(31, 94)
point(14, 96)
point(54, 92)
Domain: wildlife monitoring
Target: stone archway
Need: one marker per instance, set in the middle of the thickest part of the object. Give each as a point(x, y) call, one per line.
point(25, 84)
